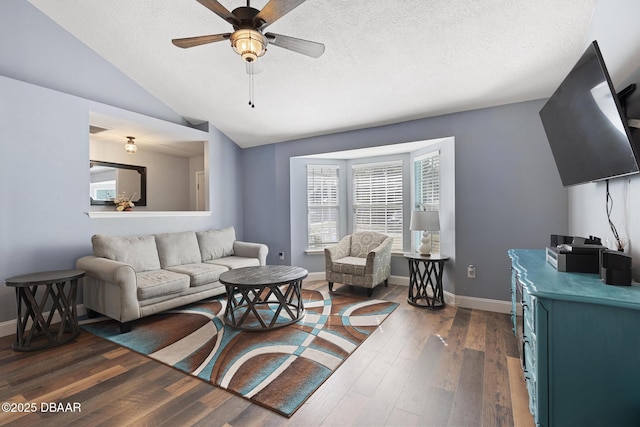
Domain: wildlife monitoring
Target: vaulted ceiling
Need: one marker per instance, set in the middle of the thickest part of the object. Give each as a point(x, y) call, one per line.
point(385, 61)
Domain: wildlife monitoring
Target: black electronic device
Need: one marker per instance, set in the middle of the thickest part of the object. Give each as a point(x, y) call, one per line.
point(586, 124)
point(615, 268)
point(580, 255)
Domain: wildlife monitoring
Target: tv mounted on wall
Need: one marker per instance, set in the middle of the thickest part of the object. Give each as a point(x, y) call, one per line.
point(586, 125)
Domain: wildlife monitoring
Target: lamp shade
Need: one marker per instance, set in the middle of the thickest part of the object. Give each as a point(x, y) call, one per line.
point(250, 44)
point(425, 221)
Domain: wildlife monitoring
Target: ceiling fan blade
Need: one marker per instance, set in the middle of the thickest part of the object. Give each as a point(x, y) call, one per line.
point(305, 47)
point(273, 11)
point(219, 10)
point(197, 41)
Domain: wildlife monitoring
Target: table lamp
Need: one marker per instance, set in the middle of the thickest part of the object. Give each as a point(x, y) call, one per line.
point(425, 221)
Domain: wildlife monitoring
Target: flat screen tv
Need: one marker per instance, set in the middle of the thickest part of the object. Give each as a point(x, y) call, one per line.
point(586, 125)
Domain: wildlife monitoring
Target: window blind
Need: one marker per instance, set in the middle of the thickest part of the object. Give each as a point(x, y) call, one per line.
point(377, 200)
point(322, 205)
point(427, 189)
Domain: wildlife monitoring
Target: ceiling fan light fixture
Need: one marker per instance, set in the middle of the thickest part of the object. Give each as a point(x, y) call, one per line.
point(250, 44)
point(130, 147)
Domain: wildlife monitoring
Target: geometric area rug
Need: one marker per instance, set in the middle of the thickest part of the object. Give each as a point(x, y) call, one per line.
point(278, 369)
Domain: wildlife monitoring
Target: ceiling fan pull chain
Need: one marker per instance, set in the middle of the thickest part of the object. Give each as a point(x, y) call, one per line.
point(253, 105)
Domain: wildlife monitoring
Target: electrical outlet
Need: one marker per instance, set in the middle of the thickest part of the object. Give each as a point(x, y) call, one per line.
point(281, 255)
point(471, 272)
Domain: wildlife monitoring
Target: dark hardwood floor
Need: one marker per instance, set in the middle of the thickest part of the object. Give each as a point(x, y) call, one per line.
point(453, 367)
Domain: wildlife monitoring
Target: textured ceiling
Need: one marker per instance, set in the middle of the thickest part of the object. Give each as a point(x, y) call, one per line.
point(385, 61)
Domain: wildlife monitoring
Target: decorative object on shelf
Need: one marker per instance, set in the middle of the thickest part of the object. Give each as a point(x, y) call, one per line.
point(124, 203)
point(130, 147)
point(427, 222)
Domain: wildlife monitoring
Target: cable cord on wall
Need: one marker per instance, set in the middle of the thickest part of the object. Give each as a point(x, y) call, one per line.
point(609, 205)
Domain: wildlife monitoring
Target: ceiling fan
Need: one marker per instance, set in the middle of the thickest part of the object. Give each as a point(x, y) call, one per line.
point(249, 39)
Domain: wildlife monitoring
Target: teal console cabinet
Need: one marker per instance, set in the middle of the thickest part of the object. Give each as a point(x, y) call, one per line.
point(580, 344)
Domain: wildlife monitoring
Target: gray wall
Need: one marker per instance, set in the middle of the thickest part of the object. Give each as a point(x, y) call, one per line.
point(508, 191)
point(49, 83)
point(35, 49)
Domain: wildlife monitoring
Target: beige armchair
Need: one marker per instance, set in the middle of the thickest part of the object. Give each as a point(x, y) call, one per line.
point(360, 259)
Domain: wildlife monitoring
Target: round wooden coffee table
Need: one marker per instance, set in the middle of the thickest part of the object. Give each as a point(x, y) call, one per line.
point(263, 298)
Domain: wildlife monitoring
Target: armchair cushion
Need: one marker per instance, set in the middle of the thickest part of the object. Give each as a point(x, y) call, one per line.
point(364, 242)
point(350, 265)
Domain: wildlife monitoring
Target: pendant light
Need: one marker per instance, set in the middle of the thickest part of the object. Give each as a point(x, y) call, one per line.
point(130, 146)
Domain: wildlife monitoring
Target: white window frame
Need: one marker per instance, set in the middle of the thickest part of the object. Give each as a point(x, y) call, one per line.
point(326, 180)
point(378, 194)
point(427, 186)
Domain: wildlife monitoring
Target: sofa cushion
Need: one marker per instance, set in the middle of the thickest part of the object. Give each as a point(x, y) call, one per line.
point(139, 252)
point(177, 248)
point(152, 284)
point(216, 244)
point(200, 273)
point(232, 262)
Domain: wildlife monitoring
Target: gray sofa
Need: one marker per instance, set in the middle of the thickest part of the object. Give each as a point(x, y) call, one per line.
point(131, 277)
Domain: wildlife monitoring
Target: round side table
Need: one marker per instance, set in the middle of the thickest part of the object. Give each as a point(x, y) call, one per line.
point(425, 280)
point(58, 291)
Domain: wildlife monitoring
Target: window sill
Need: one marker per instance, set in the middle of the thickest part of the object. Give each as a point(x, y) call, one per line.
point(315, 251)
point(146, 214)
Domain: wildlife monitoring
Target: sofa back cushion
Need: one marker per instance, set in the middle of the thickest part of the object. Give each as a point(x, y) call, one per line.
point(216, 244)
point(138, 251)
point(177, 248)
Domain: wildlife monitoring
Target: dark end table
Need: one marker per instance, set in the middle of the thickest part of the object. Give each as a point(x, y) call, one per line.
point(425, 280)
point(263, 298)
point(59, 290)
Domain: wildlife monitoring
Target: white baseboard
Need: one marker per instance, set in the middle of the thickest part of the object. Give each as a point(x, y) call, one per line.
point(9, 327)
point(484, 304)
point(449, 298)
point(394, 280)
